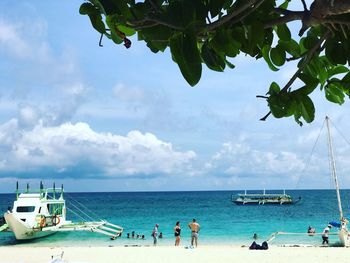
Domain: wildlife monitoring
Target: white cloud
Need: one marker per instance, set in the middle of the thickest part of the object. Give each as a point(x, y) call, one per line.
point(68, 146)
point(129, 94)
point(240, 159)
point(11, 40)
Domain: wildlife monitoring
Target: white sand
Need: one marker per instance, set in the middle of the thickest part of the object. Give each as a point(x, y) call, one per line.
point(210, 254)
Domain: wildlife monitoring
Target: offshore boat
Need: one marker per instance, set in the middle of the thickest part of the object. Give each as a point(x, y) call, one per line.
point(40, 213)
point(263, 199)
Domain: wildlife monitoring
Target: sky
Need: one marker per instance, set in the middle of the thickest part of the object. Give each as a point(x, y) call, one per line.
point(115, 119)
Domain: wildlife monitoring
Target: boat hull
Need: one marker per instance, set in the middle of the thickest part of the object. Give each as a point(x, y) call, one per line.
point(22, 231)
point(263, 203)
point(344, 237)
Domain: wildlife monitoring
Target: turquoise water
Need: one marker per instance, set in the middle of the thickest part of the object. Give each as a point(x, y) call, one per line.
point(222, 222)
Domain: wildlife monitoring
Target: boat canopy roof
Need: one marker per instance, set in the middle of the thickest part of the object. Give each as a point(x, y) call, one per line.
point(263, 195)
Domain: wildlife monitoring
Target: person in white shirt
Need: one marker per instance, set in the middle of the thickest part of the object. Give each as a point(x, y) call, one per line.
point(325, 234)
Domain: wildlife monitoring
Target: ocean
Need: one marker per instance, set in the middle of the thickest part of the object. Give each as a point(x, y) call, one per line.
point(222, 222)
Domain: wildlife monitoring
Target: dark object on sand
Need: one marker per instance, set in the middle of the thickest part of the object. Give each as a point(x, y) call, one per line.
point(256, 246)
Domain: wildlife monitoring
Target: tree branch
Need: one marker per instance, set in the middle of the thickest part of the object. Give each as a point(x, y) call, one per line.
point(322, 8)
point(304, 5)
point(228, 17)
point(308, 57)
point(240, 18)
point(139, 24)
point(288, 17)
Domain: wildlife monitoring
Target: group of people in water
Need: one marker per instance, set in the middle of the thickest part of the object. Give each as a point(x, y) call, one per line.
point(193, 225)
point(133, 235)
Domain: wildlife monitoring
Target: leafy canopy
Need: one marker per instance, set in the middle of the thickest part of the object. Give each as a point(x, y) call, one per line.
point(211, 32)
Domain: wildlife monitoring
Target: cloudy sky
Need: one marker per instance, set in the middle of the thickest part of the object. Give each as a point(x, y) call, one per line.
point(115, 119)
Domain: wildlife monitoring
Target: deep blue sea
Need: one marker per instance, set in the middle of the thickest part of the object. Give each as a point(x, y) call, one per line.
point(222, 222)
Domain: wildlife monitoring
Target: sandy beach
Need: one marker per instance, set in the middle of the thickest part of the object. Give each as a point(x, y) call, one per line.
point(169, 254)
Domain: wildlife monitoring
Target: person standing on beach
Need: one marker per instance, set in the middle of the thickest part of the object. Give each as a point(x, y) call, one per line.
point(194, 226)
point(177, 233)
point(325, 234)
point(155, 234)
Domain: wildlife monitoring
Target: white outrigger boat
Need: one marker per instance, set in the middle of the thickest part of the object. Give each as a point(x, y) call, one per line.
point(41, 213)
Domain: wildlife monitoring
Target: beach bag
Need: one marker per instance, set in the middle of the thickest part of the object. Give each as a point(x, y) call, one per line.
point(264, 245)
point(253, 245)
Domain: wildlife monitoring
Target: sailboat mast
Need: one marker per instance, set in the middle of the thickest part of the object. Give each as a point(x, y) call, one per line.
point(334, 174)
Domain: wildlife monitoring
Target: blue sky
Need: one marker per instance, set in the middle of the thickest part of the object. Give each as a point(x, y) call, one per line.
point(116, 119)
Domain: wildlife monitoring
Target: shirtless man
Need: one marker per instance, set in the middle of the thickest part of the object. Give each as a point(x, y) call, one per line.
point(194, 226)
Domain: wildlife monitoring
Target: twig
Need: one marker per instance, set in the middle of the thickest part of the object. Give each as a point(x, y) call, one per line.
point(100, 42)
point(265, 117)
point(304, 5)
point(288, 17)
point(155, 6)
point(308, 57)
point(240, 18)
point(140, 23)
point(228, 17)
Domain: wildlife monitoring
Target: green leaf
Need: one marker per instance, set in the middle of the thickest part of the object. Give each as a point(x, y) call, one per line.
point(310, 84)
point(281, 105)
point(337, 70)
point(307, 108)
point(334, 93)
point(335, 52)
point(265, 52)
point(111, 22)
point(94, 15)
point(310, 41)
point(126, 30)
point(183, 47)
point(257, 35)
point(274, 88)
point(291, 46)
point(278, 56)
point(346, 82)
point(215, 7)
point(229, 64)
point(283, 32)
point(213, 60)
point(284, 5)
point(86, 8)
point(223, 42)
point(180, 13)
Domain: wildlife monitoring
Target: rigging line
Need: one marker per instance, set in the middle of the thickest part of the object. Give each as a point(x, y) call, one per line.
point(83, 206)
point(341, 134)
point(89, 217)
point(89, 210)
point(310, 156)
point(79, 216)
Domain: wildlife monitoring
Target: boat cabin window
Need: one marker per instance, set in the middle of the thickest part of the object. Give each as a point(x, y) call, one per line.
point(25, 209)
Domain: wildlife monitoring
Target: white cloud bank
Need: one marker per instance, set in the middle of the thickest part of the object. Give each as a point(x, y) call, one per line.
point(240, 159)
point(65, 147)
